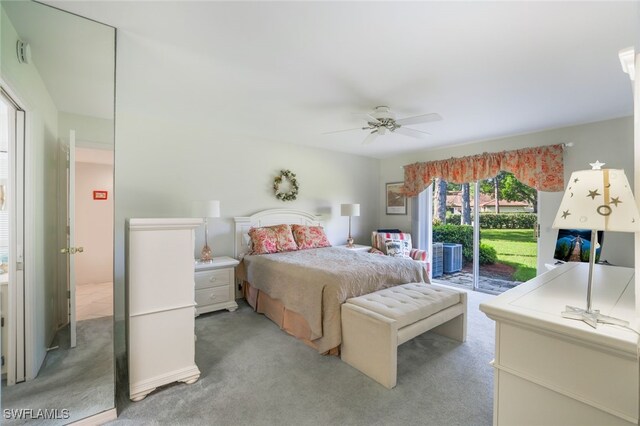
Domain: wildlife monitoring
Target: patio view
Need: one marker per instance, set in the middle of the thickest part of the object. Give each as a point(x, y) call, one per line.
point(507, 242)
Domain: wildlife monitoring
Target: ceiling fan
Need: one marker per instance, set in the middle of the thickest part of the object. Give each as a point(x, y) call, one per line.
point(382, 119)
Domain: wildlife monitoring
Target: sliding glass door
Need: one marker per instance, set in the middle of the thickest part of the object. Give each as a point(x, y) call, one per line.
point(483, 234)
point(452, 233)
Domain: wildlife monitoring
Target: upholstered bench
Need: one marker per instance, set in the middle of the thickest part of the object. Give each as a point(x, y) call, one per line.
point(373, 325)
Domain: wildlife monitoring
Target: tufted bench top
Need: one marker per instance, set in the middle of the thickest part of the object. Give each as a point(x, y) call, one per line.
point(408, 303)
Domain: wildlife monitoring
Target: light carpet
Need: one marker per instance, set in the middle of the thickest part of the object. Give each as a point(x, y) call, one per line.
point(80, 380)
point(255, 374)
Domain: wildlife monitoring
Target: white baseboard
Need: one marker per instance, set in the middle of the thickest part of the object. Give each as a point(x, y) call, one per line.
point(98, 419)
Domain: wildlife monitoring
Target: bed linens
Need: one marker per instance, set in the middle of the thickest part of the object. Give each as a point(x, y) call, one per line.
point(315, 282)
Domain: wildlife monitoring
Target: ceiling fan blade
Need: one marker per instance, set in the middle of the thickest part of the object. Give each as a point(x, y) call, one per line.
point(340, 131)
point(366, 117)
point(370, 138)
point(413, 133)
point(425, 118)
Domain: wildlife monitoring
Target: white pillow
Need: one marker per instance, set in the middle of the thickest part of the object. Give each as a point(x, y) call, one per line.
point(398, 248)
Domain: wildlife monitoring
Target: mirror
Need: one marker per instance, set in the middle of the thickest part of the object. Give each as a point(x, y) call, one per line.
point(57, 73)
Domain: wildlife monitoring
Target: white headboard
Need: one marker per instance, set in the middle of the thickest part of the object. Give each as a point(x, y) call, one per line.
point(267, 218)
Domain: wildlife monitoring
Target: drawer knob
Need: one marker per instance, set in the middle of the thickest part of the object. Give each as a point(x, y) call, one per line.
point(212, 297)
point(213, 279)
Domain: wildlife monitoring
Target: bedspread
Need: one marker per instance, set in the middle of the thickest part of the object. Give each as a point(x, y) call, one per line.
point(315, 282)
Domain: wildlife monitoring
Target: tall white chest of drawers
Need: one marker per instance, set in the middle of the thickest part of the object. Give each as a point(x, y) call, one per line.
point(160, 303)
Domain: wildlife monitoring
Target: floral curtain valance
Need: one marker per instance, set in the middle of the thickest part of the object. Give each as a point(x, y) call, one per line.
point(540, 168)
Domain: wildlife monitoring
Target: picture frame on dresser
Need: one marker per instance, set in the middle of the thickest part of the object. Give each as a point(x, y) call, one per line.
point(396, 201)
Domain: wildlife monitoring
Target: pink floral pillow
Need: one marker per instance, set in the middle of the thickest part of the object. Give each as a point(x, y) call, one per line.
point(310, 236)
point(272, 239)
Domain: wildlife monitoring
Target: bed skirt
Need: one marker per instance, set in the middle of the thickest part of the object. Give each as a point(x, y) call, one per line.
point(288, 320)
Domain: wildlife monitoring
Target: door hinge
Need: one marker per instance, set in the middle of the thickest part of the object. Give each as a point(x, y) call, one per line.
point(2, 359)
point(68, 294)
point(537, 230)
point(19, 266)
point(2, 322)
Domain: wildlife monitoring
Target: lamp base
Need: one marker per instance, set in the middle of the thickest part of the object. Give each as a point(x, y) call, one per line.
point(206, 255)
point(349, 242)
point(592, 317)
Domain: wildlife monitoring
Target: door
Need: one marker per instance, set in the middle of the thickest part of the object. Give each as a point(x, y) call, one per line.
point(70, 250)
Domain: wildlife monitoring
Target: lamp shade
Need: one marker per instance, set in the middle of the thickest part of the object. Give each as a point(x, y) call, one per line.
point(598, 199)
point(206, 208)
point(349, 209)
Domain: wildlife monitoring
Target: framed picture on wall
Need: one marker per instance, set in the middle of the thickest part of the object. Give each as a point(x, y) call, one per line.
point(396, 201)
point(100, 195)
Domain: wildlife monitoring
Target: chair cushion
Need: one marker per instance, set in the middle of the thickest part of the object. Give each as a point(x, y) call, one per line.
point(408, 303)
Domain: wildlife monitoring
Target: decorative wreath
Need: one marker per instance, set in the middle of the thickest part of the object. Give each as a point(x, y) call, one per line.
point(291, 177)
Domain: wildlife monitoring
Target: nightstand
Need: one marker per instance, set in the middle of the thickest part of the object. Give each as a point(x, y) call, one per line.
point(215, 285)
point(356, 247)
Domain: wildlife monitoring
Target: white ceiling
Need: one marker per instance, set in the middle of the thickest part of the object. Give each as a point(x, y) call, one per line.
point(289, 71)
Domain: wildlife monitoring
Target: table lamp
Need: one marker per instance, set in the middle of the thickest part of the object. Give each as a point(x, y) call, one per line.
point(350, 210)
point(206, 209)
point(597, 200)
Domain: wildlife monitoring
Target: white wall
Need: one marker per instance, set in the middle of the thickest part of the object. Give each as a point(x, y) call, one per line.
point(609, 141)
point(94, 223)
point(42, 150)
point(167, 158)
point(157, 176)
point(91, 132)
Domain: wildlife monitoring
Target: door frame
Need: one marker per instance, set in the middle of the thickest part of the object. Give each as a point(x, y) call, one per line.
point(19, 327)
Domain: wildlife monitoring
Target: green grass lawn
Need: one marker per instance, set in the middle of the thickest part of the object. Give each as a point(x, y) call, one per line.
point(515, 247)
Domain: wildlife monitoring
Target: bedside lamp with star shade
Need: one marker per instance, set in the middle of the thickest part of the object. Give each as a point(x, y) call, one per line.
point(598, 200)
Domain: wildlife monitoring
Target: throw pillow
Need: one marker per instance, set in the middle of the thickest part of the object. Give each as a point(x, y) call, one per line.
point(397, 248)
point(272, 239)
point(307, 237)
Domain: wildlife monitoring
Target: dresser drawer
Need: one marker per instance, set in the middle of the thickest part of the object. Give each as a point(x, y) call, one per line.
point(215, 278)
point(212, 295)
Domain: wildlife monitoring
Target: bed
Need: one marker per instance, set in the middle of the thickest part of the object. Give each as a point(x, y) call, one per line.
point(301, 291)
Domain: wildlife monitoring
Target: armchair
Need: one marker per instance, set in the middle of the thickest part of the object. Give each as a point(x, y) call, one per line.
point(398, 244)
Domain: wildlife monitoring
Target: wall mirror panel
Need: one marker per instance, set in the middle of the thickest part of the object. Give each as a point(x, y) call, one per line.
point(57, 74)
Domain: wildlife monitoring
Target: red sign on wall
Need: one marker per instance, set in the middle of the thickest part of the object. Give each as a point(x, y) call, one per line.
point(99, 195)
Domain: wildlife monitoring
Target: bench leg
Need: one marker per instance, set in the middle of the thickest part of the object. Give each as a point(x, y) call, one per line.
point(455, 328)
point(370, 344)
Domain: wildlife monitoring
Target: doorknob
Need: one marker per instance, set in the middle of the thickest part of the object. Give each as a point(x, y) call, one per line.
point(72, 250)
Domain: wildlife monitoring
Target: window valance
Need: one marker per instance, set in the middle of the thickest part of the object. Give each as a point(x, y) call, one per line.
point(541, 168)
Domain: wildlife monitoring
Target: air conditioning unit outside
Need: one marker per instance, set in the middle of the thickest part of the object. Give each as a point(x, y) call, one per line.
point(438, 260)
point(452, 257)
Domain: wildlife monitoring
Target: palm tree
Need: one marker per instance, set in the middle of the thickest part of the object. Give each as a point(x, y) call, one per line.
point(441, 200)
point(465, 219)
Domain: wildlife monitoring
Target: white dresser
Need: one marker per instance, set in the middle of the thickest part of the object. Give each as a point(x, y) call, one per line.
point(160, 303)
point(551, 370)
point(215, 285)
